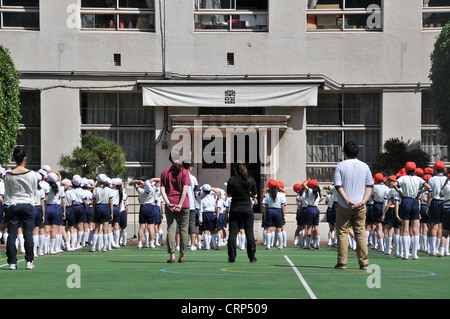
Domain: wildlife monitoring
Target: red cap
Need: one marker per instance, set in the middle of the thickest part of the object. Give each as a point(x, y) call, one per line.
point(272, 183)
point(378, 177)
point(280, 185)
point(427, 177)
point(313, 183)
point(297, 187)
point(393, 178)
point(428, 170)
point(439, 165)
point(410, 166)
point(419, 172)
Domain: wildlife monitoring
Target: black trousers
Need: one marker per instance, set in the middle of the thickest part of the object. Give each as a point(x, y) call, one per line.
point(235, 219)
point(20, 215)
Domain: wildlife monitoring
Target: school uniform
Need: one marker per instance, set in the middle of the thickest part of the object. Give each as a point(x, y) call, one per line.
point(312, 213)
point(79, 198)
point(53, 209)
point(147, 199)
point(2, 194)
point(102, 212)
point(436, 209)
point(410, 187)
point(208, 218)
point(70, 215)
point(379, 194)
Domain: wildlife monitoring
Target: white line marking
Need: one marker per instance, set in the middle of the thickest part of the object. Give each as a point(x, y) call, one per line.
point(302, 280)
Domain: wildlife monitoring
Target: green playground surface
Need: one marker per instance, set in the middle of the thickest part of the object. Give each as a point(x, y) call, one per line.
point(290, 273)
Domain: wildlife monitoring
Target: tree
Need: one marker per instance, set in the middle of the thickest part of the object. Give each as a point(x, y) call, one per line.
point(95, 155)
point(440, 80)
point(9, 106)
point(395, 157)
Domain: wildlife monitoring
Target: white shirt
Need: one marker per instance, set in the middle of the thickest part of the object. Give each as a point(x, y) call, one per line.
point(330, 199)
point(379, 192)
point(311, 199)
point(39, 195)
point(101, 195)
point(207, 205)
point(277, 203)
point(20, 188)
point(69, 197)
point(79, 195)
point(146, 198)
point(353, 176)
point(55, 198)
point(446, 193)
point(410, 185)
point(190, 191)
point(436, 183)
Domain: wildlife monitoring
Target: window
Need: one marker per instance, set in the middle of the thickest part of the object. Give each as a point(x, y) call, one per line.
point(433, 142)
point(19, 14)
point(30, 127)
point(435, 13)
point(338, 118)
point(344, 15)
point(231, 15)
point(121, 117)
point(122, 15)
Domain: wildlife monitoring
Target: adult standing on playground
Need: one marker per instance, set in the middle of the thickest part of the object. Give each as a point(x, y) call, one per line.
point(354, 183)
point(241, 187)
point(194, 187)
point(174, 190)
point(20, 188)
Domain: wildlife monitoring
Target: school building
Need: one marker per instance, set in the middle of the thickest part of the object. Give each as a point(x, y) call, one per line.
point(286, 81)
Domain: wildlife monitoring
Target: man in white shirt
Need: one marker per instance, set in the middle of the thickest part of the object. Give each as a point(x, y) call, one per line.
point(354, 183)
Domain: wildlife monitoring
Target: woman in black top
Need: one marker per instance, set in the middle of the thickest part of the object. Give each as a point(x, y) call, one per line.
point(241, 188)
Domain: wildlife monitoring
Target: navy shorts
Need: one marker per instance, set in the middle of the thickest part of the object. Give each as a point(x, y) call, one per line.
point(53, 214)
point(331, 214)
point(89, 217)
point(423, 214)
point(274, 217)
point(221, 223)
point(123, 219)
point(116, 213)
point(147, 214)
point(37, 216)
point(102, 214)
point(158, 214)
point(377, 211)
point(209, 221)
point(79, 213)
point(409, 209)
point(436, 211)
point(446, 218)
point(70, 216)
point(300, 217)
point(312, 215)
point(2, 214)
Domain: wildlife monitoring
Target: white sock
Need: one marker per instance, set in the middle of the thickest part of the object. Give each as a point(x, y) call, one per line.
point(406, 245)
point(280, 239)
point(415, 246)
point(317, 242)
point(284, 238)
point(124, 238)
point(146, 237)
point(52, 244)
point(35, 243)
point(94, 240)
point(116, 237)
point(269, 240)
point(21, 242)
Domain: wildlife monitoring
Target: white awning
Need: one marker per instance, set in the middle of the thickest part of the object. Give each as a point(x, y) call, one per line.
point(229, 94)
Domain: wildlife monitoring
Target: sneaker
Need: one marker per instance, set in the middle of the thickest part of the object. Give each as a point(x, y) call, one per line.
point(30, 265)
point(363, 267)
point(13, 266)
point(340, 266)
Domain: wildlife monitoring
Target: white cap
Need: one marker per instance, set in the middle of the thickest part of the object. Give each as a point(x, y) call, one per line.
point(67, 182)
point(46, 168)
point(206, 187)
point(102, 178)
point(42, 172)
point(77, 180)
point(117, 181)
point(52, 177)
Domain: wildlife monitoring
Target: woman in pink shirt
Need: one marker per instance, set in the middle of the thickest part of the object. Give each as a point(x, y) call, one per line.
point(174, 184)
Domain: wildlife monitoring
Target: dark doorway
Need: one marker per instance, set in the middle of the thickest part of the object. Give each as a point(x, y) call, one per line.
point(245, 148)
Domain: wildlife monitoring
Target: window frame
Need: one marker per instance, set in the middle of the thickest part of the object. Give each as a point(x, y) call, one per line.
point(18, 9)
point(117, 12)
point(117, 128)
point(341, 13)
point(343, 128)
point(432, 10)
point(230, 13)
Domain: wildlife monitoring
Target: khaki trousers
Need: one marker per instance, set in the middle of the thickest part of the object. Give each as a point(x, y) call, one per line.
point(346, 218)
point(181, 219)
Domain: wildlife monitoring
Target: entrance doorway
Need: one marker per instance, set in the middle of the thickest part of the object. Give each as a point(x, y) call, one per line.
point(245, 148)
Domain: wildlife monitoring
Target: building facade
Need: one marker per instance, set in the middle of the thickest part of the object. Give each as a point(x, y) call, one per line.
point(289, 81)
